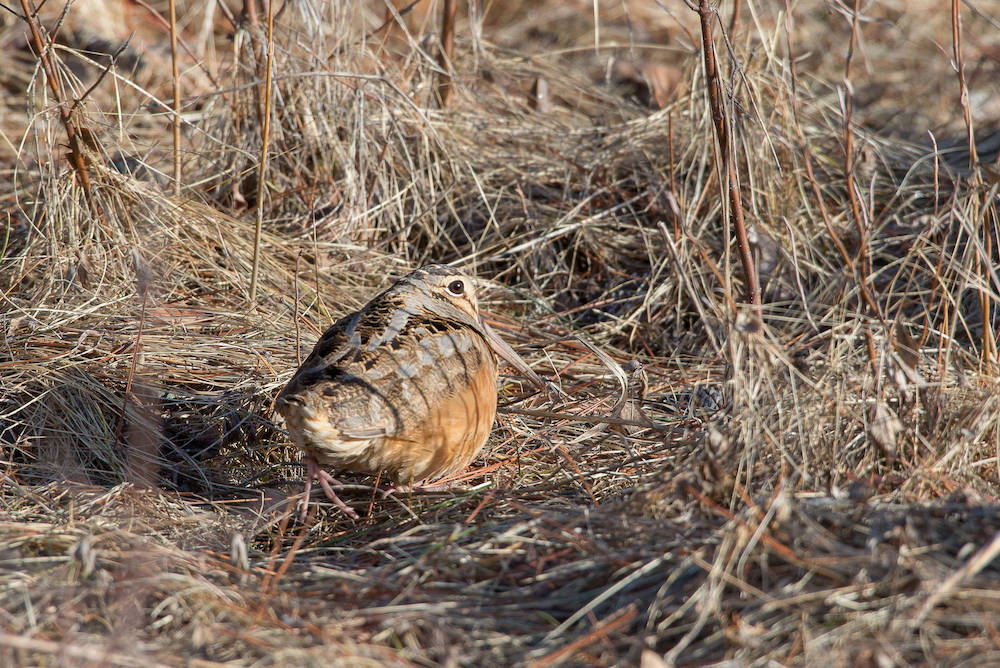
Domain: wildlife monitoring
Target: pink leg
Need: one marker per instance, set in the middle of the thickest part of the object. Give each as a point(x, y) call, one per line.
point(314, 470)
point(305, 495)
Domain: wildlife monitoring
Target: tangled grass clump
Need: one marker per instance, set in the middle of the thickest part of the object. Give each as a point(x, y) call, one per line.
point(815, 485)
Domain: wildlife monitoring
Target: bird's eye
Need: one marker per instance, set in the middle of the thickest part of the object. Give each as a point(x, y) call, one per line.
point(456, 288)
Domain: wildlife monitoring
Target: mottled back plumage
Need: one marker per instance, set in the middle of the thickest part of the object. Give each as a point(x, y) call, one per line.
point(405, 385)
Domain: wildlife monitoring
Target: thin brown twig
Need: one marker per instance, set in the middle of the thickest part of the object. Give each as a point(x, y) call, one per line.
point(66, 116)
point(581, 478)
point(292, 551)
point(617, 620)
point(852, 194)
point(863, 264)
point(187, 49)
point(265, 584)
point(112, 58)
point(986, 306)
point(226, 12)
point(482, 504)
point(586, 419)
point(393, 17)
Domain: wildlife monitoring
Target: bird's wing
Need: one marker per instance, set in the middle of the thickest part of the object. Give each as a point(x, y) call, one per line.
point(375, 376)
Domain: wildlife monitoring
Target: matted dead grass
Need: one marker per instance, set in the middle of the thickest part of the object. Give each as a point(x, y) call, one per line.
point(821, 488)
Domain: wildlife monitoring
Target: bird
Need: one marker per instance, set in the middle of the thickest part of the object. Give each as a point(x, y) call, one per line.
point(405, 385)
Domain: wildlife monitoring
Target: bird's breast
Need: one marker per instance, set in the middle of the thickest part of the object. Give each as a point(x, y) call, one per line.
point(450, 435)
point(419, 405)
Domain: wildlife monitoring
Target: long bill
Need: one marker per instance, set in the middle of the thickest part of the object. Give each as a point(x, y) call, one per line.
point(501, 348)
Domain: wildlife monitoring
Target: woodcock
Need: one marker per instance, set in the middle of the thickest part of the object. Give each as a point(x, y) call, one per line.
point(406, 385)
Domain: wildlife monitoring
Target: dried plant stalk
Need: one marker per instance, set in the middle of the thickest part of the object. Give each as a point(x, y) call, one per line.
point(727, 165)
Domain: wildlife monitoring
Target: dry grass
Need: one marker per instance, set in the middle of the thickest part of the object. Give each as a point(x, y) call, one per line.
point(820, 488)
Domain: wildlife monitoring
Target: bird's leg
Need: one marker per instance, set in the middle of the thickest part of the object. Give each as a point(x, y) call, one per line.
point(305, 494)
point(314, 470)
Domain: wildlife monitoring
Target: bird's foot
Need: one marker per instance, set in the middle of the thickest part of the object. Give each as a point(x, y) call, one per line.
point(314, 470)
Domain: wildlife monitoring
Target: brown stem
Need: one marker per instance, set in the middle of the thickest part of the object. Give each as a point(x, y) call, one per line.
point(250, 13)
point(985, 301)
point(673, 170)
point(447, 52)
point(265, 137)
point(295, 312)
point(735, 16)
point(76, 158)
point(725, 154)
point(956, 45)
point(176, 115)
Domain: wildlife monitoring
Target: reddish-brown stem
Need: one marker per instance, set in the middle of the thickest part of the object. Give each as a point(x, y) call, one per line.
point(250, 13)
point(447, 52)
point(617, 620)
point(725, 154)
point(734, 18)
